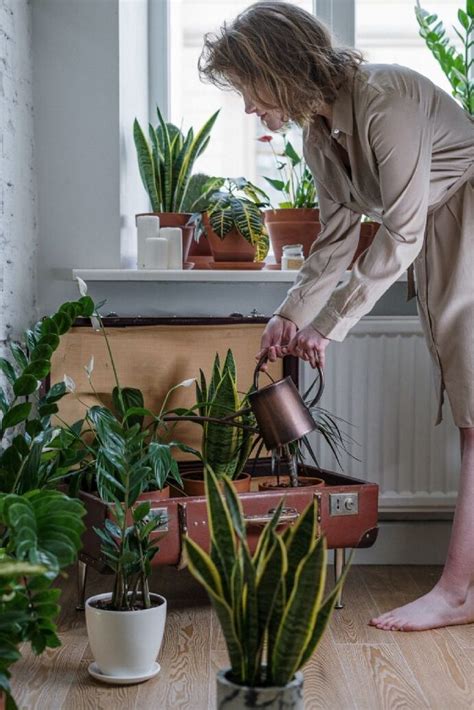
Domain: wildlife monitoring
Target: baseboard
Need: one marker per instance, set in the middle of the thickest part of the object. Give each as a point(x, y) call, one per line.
point(411, 542)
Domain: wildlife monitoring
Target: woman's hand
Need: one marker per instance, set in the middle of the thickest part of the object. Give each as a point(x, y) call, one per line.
point(310, 345)
point(276, 337)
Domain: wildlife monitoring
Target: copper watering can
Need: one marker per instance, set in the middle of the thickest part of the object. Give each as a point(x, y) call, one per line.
point(282, 415)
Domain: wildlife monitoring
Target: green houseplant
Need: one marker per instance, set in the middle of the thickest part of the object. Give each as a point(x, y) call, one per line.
point(225, 447)
point(296, 220)
point(232, 221)
point(456, 65)
point(166, 161)
point(270, 604)
point(41, 534)
point(125, 644)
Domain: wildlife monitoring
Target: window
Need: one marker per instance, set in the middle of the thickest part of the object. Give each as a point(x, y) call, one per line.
point(388, 33)
point(233, 149)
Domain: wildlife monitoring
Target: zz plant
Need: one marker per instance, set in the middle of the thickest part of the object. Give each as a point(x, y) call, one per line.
point(166, 160)
point(457, 66)
point(40, 536)
point(271, 604)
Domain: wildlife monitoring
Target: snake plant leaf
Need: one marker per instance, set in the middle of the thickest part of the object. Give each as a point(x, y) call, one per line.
point(179, 159)
point(300, 614)
point(234, 506)
point(229, 364)
point(323, 617)
point(221, 442)
point(250, 613)
point(269, 580)
point(158, 161)
point(145, 165)
point(299, 541)
point(236, 596)
point(202, 567)
point(192, 153)
point(165, 143)
point(265, 537)
point(220, 524)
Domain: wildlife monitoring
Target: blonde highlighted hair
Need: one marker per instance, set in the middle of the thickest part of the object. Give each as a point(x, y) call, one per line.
point(282, 56)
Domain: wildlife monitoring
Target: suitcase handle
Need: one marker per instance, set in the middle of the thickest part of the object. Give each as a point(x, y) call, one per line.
point(288, 515)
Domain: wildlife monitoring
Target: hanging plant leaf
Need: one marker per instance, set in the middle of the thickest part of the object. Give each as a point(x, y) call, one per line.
point(16, 414)
point(25, 385)
point(38, 368)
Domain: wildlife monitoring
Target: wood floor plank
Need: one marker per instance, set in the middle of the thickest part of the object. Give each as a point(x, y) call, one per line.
point(351, 624)
point(325, 684)
point(443, 671)
point(379, 678)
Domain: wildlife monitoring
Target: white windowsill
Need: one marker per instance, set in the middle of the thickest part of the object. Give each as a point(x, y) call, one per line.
point(203, 276)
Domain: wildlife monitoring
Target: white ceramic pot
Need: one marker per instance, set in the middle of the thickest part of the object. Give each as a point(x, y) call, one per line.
point(125, 643)
point(231, 696)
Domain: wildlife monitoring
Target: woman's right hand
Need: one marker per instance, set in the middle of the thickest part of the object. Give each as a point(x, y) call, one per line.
point(276, 336)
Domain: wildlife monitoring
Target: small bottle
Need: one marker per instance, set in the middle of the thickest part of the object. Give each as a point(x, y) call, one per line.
point(292, 257)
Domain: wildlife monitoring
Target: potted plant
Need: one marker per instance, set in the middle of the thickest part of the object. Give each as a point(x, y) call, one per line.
point(270, 604)
point(457, 66)
point(225, 447)
point(296, 220)
point(233, 223)
point(41, 534)
point(125, 627)
point(166, 161)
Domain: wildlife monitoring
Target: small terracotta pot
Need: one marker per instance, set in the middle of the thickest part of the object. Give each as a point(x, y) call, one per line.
point(193, 483)
point(175, 219)
point(155, 495)
point(200, 248)
point(292, 226)
point(368, 230)
point(269, 483)
point(234, 247)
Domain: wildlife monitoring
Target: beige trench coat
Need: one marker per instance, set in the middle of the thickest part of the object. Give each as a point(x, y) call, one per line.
point(411, 153)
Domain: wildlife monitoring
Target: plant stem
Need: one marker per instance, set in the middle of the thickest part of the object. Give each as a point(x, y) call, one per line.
point(112, 362)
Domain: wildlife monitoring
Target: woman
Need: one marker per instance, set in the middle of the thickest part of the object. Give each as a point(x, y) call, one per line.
point(380, 140)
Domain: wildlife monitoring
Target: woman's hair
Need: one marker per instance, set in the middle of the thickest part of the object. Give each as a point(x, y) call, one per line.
point(281, 54)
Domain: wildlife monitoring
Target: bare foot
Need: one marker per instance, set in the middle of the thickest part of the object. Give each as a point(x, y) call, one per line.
point(435, 609)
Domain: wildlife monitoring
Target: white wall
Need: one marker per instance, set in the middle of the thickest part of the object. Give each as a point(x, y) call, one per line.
point(18, 205)
point(76, 97)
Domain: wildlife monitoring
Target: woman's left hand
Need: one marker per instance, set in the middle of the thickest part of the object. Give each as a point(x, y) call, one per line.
point(309, 345)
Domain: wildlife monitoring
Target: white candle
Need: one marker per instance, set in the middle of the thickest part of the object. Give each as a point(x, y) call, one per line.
point(156, 253)
point(175, 246)
point(148, 226)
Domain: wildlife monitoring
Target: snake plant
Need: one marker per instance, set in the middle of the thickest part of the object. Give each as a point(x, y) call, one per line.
point(224, 448)
point(166, 160)
point(271, 604)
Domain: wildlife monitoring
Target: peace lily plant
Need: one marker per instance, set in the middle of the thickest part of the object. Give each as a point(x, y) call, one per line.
point(270, 604)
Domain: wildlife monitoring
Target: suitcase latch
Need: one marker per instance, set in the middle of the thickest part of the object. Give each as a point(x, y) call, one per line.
point(288, 515)
point(343, 503)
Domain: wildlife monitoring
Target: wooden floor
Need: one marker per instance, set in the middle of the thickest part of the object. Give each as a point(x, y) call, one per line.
point(356, 666)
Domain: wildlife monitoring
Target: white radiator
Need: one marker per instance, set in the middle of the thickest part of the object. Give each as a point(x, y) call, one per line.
point(380, 380)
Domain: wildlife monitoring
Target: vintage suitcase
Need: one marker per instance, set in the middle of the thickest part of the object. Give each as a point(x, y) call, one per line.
point(155, 353)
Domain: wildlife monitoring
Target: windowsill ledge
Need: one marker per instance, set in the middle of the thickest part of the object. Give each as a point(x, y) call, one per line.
point(203, 275)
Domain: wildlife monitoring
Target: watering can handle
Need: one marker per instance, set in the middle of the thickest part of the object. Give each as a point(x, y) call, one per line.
point(316, 398)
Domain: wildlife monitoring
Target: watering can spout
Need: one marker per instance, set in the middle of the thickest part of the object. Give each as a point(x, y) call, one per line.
point(282, 415)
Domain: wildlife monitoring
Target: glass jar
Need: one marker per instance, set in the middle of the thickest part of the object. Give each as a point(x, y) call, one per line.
point(292, 257)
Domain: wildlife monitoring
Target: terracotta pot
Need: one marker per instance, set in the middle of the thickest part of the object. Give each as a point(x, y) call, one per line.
point(200, 248)
point(176, 219)
point(292, 226)
point(368, 230)
point(270, 483)
point(234, 247)
point(155, 495)
point(193, 483)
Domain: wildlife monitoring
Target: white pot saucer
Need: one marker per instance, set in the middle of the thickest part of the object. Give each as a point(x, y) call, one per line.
point(96, 673)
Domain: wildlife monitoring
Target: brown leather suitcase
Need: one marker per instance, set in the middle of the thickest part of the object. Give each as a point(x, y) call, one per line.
point(153, 354)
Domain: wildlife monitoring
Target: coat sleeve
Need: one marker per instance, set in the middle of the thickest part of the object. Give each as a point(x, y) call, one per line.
point(400, 135)
point(330, 256)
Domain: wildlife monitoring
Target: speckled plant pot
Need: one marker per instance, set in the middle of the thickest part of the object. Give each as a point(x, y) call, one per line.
point(231, 696)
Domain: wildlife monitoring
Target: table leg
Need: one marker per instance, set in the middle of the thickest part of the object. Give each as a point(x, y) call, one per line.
point(339, 564)
point(81, 585)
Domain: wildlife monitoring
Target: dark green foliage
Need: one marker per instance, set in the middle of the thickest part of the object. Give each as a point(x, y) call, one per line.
point(457, 66)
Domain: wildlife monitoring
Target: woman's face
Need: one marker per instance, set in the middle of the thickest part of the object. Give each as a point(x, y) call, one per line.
point(272, 119)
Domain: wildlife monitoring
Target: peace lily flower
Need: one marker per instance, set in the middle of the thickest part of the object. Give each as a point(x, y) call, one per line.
point(82, 286)
point(90, 367)
point(69, 384)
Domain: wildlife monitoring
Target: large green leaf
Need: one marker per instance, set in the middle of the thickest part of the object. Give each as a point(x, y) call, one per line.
point(220, 526)
point(194, 149)
point(221, 218)
point(300, 614)
point(166, 148)
point(248, 219)
point(16, 415)
point(221, 443)
point(145, 165)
